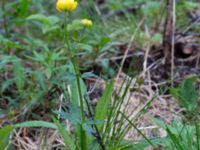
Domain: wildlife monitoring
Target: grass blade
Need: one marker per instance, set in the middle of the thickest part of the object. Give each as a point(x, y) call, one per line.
point(138, 131)
point(197, 136)
point(102, 105)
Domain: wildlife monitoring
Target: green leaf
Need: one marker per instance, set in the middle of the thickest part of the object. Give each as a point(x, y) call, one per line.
point(197, 135)
point(85, 47)
point(73, 114)
point(151, 8)
point(186, 94)
point(49, 71)
point(23, 8)
point(44, 124)
point(104, 41)
point(191, 5)
point(4, 134)
point(88, 129)
point(44, 19)
point(103, 103)
point(174, 139)
point(69, 143)
point(89, 75)
point(18, 72)
point(159, 122)
point(157, 38)
point(38, 17)
point(53, 19)
point(75, 26)
point(74, 95)
point(48, 23)
point(5, 85)
point(41, 80)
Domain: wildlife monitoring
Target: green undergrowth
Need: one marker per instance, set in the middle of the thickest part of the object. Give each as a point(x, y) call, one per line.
point(47, 58)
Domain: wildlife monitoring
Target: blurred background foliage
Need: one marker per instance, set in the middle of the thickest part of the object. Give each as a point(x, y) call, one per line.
point(32, 50)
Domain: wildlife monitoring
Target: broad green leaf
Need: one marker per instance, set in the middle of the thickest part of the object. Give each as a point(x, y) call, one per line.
point(53, 19)
point(44, 124)
point(38, 17)
point(85, 47)
point(4, 136)
point(186, 94)
point(48, 23)
point(75, 26)
point(23, 8)
point(104, 41)
point(44, 19)
point(89, 75)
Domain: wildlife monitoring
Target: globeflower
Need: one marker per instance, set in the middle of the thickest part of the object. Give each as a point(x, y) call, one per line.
point(86, 22)
point(66, 5)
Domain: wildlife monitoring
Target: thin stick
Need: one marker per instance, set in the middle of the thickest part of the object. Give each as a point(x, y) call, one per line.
point(60, 107)
point(198, 60)
point(167, 34)
point(173, 41)
point(4, 19)
point(128, 48)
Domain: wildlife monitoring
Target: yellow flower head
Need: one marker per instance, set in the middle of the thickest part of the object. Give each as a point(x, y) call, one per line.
point(66, 5)
point(86, 22)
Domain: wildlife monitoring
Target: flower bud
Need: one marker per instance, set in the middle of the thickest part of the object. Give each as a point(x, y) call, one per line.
point(66, 5)
point(86, 22)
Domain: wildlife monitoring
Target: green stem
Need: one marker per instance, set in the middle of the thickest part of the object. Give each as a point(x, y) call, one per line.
point(65, 26)
point(66, 35)
point(76, 68)
point(83, 135)
point(75, 63)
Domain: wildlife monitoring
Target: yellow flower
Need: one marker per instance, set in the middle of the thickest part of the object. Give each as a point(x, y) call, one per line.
point(66, 5)
point(86, 22)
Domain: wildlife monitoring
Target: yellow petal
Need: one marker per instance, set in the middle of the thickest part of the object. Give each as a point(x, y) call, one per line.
point(74, 5)
point(66, 5)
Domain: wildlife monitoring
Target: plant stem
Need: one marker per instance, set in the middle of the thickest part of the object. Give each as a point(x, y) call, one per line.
point(83, 135)
point(97, 136)
point(75, 63)
point(66, 36)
